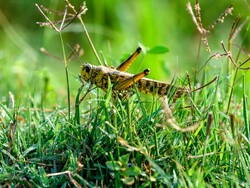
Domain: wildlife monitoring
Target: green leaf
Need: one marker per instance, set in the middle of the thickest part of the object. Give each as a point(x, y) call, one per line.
point(132, 171)
point(43, 177)
point(128, 180)
point(114, 165)
point(245, 110)
point(29, 149)
point(124, 159)
point(6, 110)
point(158, 50)
point(165, 178)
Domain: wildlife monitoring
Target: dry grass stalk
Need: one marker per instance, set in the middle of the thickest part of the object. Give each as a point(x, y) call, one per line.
point(198, 21)
point(171, 120)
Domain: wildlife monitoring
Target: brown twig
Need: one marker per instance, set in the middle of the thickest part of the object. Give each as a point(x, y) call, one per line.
point(229, 55)
point(215, 78)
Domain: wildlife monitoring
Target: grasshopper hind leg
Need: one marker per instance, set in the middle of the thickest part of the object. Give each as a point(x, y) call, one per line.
point(128, 82)
point(125, 65)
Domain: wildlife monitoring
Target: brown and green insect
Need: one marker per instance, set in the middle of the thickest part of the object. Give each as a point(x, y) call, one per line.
point(123, 81)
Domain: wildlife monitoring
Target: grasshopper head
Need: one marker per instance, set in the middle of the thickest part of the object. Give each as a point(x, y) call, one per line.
point(86, 71)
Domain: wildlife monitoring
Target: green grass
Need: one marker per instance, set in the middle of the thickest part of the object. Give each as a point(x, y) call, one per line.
point(125, 142)
point(130, 141)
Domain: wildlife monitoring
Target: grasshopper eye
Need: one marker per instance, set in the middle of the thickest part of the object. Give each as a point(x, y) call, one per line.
point(88, 68)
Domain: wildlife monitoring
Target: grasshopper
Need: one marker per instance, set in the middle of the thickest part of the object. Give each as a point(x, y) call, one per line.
point(122, 81)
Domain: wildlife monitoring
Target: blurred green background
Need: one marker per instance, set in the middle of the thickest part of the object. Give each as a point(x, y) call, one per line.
point(116, 27)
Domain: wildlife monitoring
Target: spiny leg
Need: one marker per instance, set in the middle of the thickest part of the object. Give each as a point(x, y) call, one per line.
point(125, 65)
point(123, 84)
